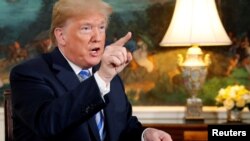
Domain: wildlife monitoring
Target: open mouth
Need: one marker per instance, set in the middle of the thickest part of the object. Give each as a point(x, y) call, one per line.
point(95, 49)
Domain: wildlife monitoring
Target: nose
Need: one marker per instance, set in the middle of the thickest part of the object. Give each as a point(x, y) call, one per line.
point(97, 35)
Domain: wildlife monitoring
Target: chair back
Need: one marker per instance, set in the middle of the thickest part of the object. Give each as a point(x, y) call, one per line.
point(8, 115)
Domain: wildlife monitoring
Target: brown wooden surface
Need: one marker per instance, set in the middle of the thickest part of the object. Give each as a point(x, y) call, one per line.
point(177, 131)
point(195, 135)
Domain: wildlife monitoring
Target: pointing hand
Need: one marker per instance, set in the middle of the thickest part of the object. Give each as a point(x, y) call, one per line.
point(115, 58)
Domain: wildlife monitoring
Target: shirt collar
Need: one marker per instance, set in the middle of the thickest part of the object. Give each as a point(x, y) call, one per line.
point(75, 68)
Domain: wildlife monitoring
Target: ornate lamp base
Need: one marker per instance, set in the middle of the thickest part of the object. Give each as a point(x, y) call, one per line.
point(194, 110)
point(194, 72)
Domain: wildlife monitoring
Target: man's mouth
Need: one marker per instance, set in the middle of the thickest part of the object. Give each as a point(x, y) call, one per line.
point(95, 49)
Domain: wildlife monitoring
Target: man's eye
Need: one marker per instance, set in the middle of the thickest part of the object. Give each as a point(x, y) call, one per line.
point(102, 28)
point(86, 29)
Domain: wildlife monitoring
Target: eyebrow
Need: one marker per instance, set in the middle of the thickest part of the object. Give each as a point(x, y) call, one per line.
point(89, 24)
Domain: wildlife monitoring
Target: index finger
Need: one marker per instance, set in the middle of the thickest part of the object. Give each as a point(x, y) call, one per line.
point(123, 40)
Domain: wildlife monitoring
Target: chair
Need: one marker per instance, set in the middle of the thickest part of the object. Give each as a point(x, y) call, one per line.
point(195, 136)
point(8, 115)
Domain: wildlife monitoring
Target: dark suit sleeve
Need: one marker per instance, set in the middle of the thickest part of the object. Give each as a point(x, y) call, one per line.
point(133, 128)
point(45, 106)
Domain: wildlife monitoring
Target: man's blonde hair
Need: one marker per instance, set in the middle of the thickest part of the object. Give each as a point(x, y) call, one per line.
point(66, 9)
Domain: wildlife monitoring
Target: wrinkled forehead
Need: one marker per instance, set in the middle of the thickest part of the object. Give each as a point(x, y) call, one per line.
point(92, 18)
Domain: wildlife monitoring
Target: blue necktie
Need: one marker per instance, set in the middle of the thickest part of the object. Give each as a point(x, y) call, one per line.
point(84, 74)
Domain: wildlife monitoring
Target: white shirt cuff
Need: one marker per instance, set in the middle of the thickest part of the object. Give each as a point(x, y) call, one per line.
point(103, 87)
point(142, 139)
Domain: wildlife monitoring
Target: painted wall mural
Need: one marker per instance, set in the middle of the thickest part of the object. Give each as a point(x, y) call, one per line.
point(153, 77)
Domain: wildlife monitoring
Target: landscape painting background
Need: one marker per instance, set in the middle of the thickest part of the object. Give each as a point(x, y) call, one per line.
point(153, 77)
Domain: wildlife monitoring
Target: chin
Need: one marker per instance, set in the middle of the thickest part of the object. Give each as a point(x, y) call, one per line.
point(95, 62)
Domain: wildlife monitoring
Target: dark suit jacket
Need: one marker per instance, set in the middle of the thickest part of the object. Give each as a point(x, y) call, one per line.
point(49, 103)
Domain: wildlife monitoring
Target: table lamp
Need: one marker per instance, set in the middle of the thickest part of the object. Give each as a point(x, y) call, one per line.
point(195, 23)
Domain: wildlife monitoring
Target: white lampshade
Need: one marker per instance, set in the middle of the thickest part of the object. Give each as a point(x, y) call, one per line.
point(195, 22)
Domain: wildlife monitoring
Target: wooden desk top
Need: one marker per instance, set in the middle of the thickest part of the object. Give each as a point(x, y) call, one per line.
point(181, 131)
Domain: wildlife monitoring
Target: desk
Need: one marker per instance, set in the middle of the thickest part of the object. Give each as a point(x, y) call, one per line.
point(177, 131)
point(171, 119)
point(188, 131)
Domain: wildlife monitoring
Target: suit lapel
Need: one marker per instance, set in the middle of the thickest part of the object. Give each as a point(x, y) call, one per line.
point(69, 79)
point(62, 69)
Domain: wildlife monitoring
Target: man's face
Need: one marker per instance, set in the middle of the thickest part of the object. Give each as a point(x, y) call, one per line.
point(84, 39)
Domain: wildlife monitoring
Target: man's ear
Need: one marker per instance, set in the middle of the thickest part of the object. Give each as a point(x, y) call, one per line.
point(58, 32)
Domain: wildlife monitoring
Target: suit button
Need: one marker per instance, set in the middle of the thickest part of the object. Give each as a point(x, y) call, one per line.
point(87, 109)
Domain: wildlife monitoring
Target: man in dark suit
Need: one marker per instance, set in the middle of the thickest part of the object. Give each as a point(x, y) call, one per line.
point(51, 102)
